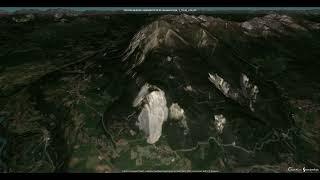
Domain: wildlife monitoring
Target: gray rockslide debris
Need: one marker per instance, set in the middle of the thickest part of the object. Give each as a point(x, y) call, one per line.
point(247, 95)
point(177, 114)
point(153, 114)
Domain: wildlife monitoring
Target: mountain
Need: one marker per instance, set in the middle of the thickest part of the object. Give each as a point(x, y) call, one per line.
point(228, 93)
point(240, 71)
point(67, 12)
point(28, 11)
point(3, 12)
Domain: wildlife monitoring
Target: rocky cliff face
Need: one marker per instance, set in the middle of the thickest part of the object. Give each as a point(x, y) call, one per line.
point(204, 64)
point(184, 91)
